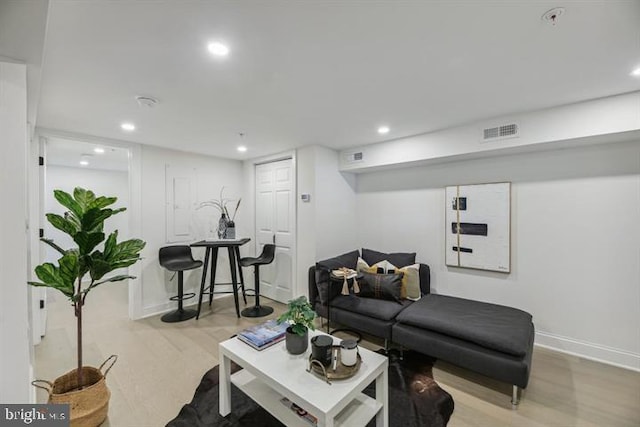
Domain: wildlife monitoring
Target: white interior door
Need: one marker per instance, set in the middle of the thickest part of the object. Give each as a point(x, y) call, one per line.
point(275, 223)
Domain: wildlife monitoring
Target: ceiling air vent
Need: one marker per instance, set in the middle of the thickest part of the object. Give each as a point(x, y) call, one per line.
point(354, 157)
point(500, 132)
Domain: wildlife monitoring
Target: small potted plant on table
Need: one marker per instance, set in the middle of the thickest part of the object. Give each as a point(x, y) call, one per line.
point(300, 315)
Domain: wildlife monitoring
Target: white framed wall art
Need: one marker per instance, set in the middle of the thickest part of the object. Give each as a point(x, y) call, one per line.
point(478, 226)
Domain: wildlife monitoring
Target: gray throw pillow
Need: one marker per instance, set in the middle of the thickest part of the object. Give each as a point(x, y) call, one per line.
point(381, 286)
point(399, 259)
point(326, 290)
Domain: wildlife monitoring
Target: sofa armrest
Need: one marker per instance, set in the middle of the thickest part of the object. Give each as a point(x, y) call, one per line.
point(425, 278)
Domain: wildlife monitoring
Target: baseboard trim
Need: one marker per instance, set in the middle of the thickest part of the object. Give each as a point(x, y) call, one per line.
point(169, 306)
point(588, 350)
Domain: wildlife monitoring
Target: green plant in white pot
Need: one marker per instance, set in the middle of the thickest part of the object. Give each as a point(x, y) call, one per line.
point(300, 316)
point(90, 259)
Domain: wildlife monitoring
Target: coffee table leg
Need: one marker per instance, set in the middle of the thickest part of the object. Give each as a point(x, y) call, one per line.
point(225, 386)
point(382, 396)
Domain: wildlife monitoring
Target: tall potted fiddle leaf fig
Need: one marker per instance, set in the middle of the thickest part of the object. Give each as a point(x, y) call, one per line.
point(85, 266)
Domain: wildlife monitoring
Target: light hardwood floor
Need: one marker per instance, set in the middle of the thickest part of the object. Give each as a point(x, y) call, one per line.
point(160, 365)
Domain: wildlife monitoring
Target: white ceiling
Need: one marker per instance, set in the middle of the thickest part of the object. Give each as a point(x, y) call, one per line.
point(322, 72)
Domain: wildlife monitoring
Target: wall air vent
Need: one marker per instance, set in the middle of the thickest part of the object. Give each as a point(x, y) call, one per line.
point(354, 157)
point(500, 132)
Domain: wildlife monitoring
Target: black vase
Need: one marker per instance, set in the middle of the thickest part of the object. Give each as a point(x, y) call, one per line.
point(296, 344)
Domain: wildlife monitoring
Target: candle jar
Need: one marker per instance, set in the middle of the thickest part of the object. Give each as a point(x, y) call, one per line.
point(348, 352)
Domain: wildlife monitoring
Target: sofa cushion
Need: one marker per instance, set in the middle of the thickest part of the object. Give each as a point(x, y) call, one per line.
point(399, 259)
point(322, 274)
point(348, 260)
point(376, 308)
point(492, 326)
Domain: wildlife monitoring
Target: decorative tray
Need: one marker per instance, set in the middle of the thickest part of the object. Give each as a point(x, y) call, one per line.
point(328, 373)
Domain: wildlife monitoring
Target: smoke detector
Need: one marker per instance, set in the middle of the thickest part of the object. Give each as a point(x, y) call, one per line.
point(146, 101)
point(552, 16)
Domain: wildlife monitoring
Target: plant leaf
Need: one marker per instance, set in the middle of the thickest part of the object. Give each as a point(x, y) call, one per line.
point(113, 279)
point(69, 268)
point(50, 276)
point(66, 200)
point(83, 197)
point(116, 255)
point(299, 329)
point(62, 224)
point(93, 219)
point(102, 202)
point(87, 241)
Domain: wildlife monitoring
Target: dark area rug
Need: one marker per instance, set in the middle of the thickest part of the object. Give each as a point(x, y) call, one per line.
point(415, 399)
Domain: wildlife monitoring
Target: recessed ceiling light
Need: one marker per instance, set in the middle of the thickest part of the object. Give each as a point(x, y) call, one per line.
point(129, 127)
point(242, 148)
point(218, 49)
point(84, 162)
point(98, 150)
point(383, 129)
point(636, 72)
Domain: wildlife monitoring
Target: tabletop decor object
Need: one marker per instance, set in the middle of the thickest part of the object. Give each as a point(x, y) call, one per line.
point(226, 223)
point(84, 388)
point(300, 316)
point(263, 335)
point(337, 370)
point(346, 274)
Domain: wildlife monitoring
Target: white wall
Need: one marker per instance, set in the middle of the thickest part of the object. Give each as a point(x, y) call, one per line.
point(102, 183)
point(575, 240)
point(306, 216)
point(15, 339)
point(335, 206)
point(326, 224)
point(210, 175)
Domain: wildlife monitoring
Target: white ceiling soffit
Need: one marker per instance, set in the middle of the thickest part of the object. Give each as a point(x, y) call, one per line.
point(69, 153)
point(319, 72)
point(22, 32)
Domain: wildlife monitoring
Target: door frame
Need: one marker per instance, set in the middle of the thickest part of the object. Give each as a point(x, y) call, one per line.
point(250, 173)
point(134, 208)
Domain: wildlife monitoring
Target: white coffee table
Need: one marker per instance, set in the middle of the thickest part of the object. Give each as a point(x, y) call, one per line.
point(273, 373)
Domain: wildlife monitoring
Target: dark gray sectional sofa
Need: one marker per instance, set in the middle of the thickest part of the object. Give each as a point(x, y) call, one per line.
point(494, 340)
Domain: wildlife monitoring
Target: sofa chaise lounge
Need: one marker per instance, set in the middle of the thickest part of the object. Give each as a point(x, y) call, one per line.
point(494, 340)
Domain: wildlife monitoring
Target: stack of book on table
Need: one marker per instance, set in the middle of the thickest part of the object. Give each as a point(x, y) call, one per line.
point(264, 335)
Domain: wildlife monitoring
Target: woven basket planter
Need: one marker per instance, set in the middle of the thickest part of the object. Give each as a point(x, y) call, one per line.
point(88, 407)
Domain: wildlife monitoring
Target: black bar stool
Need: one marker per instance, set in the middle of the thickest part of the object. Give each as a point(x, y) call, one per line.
point(266, 257)
point(179, 259)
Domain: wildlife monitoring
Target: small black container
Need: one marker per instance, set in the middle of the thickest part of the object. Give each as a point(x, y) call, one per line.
point(321, 346)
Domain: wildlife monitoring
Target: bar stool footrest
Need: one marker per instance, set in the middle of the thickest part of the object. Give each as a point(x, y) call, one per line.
point(182, 297)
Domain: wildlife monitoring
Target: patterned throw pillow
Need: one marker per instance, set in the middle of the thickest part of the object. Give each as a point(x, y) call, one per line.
point(410, 280)
point(381, 286)
point(379, 267)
